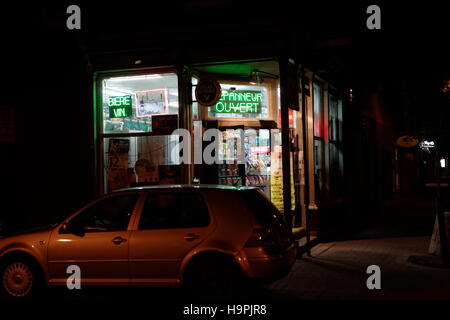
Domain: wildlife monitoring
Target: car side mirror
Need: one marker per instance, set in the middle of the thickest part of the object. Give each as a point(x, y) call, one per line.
point(64, 228)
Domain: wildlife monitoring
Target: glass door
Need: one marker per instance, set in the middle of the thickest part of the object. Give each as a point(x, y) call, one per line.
point(257, 159)
point(231, 169)
point(254, 167)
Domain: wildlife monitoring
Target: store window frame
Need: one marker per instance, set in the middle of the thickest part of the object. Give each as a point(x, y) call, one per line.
point(99, 136)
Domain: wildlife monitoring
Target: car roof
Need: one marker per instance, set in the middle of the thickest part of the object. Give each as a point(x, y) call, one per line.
point(184, 186)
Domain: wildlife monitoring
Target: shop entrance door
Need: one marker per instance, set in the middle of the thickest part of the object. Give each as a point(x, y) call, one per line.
point(259, 160)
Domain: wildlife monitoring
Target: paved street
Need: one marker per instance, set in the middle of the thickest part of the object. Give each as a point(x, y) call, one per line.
point(336, 271)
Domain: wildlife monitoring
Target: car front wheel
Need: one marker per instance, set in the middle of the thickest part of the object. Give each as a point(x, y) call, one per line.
point(19, 278)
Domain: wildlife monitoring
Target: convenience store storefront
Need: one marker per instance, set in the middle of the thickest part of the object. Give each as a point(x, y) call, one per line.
point(137, 111)
point(264, 105)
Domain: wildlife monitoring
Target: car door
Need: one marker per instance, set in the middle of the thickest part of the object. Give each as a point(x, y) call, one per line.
point(171, 224)
point(96, 240)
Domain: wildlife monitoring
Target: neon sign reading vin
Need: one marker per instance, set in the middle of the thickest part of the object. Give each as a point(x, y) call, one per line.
point(239, 101)
point(119, 107)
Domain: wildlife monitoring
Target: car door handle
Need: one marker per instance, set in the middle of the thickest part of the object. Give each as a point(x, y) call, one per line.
point(118, 240)
point(191, 236)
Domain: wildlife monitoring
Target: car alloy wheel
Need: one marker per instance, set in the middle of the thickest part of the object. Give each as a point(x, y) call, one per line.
point(18, 279)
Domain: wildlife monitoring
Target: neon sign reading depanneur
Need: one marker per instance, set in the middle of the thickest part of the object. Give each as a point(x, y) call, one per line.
point(239, 101)
point(120, 106)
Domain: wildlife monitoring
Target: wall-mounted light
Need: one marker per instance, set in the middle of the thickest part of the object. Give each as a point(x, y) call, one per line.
point(256, 77)
point(426, 145)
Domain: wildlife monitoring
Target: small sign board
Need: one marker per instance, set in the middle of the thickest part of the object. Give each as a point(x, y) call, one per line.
point(208, 92)
point(120, 106)
point(150, 102)
point(407, 141)
point(165, 123)
point(260, 149)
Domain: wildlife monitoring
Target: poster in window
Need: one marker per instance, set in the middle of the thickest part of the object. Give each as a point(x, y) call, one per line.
point(151, 102)
point(118, 153)
point(117, 166)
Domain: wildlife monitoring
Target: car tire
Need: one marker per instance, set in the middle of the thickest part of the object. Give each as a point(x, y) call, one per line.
point(20, 278)
point(213, 278)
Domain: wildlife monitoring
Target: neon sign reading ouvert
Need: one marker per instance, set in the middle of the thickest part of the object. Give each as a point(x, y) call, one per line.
point(239, 101)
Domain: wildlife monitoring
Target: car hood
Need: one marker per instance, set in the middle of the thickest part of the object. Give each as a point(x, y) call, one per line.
point(34, 241)
point(28, 232)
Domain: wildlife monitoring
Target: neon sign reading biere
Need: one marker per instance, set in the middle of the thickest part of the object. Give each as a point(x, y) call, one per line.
point(120, 106)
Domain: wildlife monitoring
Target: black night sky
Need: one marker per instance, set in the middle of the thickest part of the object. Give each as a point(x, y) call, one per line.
point(408, 55)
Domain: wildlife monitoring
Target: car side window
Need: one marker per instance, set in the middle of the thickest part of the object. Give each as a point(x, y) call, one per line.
point(174, 210)
point(110, 214)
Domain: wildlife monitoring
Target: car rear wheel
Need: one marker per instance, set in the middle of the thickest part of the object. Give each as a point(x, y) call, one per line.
point(213, 278)
point(20, 278)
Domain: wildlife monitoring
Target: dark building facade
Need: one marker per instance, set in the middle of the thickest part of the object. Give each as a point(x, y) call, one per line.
point(88, 121)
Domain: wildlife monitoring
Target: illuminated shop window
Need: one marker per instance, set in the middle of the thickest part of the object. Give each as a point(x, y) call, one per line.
point(133, 152)
point(130, 102)
point(195, 110)
point(133, 161)
point(318, 112)
point(319, 144)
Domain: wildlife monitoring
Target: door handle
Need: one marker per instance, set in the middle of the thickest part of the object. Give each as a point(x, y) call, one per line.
point(191, 236)
point(118, 240)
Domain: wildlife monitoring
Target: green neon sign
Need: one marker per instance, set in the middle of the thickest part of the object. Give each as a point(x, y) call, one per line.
point(120, 106)
point(239, 101)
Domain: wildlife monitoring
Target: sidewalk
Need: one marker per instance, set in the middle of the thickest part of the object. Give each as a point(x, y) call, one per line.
point(337, 271)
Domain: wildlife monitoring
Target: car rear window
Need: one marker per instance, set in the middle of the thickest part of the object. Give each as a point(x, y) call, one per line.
point(261, 207)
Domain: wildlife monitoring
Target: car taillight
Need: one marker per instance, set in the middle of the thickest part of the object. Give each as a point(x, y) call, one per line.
point(260, 238)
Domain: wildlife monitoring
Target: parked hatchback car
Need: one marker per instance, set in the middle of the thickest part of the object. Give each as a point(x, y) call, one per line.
point(209, 238)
